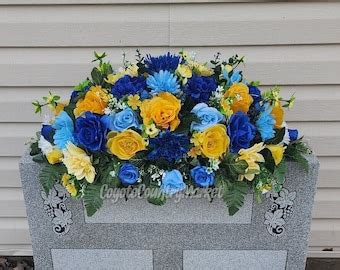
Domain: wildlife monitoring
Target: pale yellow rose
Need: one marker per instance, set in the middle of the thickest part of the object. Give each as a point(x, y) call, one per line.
point(78, 163)
point(184, 71)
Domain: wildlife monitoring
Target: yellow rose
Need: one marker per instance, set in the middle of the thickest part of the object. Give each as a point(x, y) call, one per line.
point(162, 110)
point(184, 71)
point(278, 114)
point(239, 94)
point(277, 152)
point(95, 101)
point(54, 156)
point(78, 163)
point(214, 141)
point(200, 69)
point(125, 144)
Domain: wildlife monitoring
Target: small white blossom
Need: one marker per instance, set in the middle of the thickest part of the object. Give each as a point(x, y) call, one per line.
point(121, 105)
point(155, 176)
point(210, 170)
point(214, 164)
point(44, 145)
point(113, 173)
point(107, 111)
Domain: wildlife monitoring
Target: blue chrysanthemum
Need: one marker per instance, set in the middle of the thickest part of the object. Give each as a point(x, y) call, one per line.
point(128, 86)
point(163, 62)
point(64, 129)
point(163, 81)
point(168, 145)
point(265, 123)
point(200, 88)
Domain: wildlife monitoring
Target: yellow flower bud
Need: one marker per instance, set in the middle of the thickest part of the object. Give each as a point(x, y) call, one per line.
point(277, 152)
point(54, 156)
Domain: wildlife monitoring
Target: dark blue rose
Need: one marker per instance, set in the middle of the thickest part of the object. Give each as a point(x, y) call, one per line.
point(90, 132)
point(255, 93)
point(47, 131)
point(200, 88)
point(293, 134)
point(202, 177)
point(240, 131)
point(128, 174)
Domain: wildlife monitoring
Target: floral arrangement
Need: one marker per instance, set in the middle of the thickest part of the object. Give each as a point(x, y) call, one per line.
point(167, 123)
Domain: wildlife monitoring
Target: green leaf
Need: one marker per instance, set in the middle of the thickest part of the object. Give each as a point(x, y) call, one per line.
point(39, 158)
point(96, 76)
point(81, 86)
point(270, 163)
point(92, 199)
point(156, 197)
point(279, 134)
point(49, 175)
point(296, 151)
point(234, 196)
point(69, 110)
point(187, 119)
point(35, 150)
point(280, 172)
point(233, 168)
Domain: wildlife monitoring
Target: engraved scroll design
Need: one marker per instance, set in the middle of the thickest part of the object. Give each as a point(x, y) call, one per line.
point(280, 210)
point(55, 207)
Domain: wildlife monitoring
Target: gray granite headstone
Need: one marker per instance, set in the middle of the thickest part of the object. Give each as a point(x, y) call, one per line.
point(192, 234)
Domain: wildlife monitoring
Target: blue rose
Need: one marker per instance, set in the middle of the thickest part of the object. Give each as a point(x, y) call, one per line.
point(208, 117)
point(64, 129)
point(255, 93)
point(202, 177)
point(234, 77)
point(90, 132)
point(172, 182)
point(293, 134)
point(47, 132)
point(128, 174)
point(121, 121)
point(240, 131)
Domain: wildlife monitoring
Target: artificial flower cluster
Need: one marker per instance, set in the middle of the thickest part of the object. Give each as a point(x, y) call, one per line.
point(168, 122)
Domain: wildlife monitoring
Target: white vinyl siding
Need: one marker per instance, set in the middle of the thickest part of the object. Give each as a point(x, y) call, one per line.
point(48, 45)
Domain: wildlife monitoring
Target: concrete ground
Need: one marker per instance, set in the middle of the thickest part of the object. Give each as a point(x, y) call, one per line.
point(26, 263)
